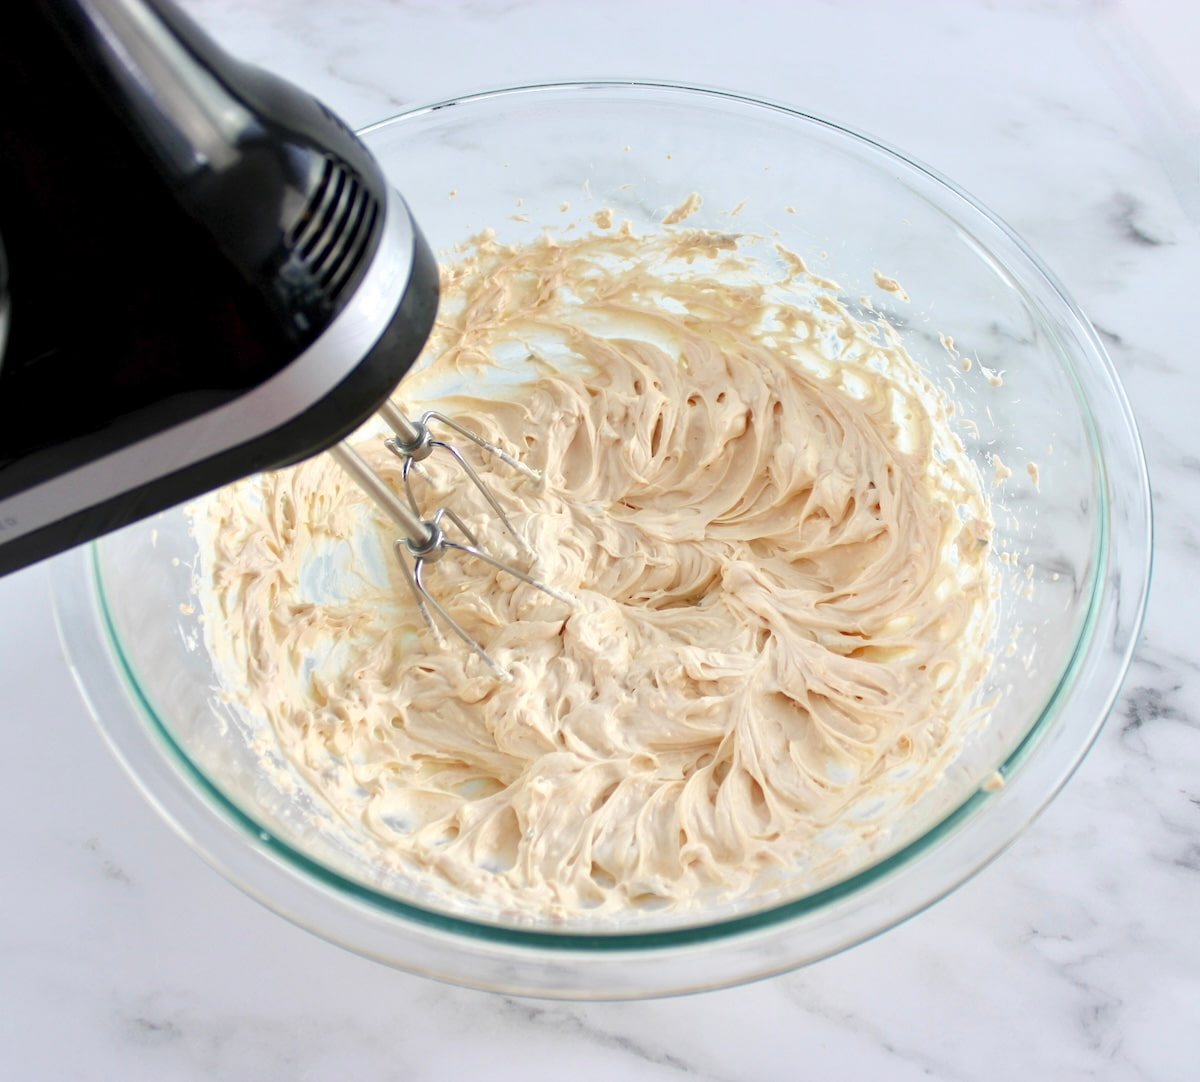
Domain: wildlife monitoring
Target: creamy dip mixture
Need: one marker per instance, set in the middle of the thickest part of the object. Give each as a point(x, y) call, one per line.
point(778, 547)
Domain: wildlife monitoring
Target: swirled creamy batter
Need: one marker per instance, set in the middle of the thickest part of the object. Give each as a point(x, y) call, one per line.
point(779, 551)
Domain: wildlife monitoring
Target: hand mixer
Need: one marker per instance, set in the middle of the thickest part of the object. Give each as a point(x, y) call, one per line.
point(207, 275)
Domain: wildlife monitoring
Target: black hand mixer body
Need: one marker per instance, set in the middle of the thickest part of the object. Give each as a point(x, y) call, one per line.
point(207, 273)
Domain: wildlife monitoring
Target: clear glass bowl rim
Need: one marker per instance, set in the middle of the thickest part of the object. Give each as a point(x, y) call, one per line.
point(965, 840)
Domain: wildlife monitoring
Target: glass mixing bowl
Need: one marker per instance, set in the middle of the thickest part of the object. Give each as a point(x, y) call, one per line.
point(1040, 389)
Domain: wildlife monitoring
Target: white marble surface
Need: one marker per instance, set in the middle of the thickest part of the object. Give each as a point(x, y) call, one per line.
point(1074, 956)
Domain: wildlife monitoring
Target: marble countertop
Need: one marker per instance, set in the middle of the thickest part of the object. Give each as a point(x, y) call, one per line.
point(1076, 955)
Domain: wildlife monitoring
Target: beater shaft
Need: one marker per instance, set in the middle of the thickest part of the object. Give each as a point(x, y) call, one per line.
point(424, 541)
point(356, 466)
point(407, 432)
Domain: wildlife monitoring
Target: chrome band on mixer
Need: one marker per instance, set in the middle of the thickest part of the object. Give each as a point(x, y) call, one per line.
point(311, 376)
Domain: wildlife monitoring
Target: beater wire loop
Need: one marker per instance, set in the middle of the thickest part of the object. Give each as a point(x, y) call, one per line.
point(423, 541)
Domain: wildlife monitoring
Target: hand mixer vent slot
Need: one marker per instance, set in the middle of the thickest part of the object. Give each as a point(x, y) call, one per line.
point(331, 237)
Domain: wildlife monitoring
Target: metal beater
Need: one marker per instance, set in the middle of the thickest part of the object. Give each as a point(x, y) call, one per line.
point(423, 540)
